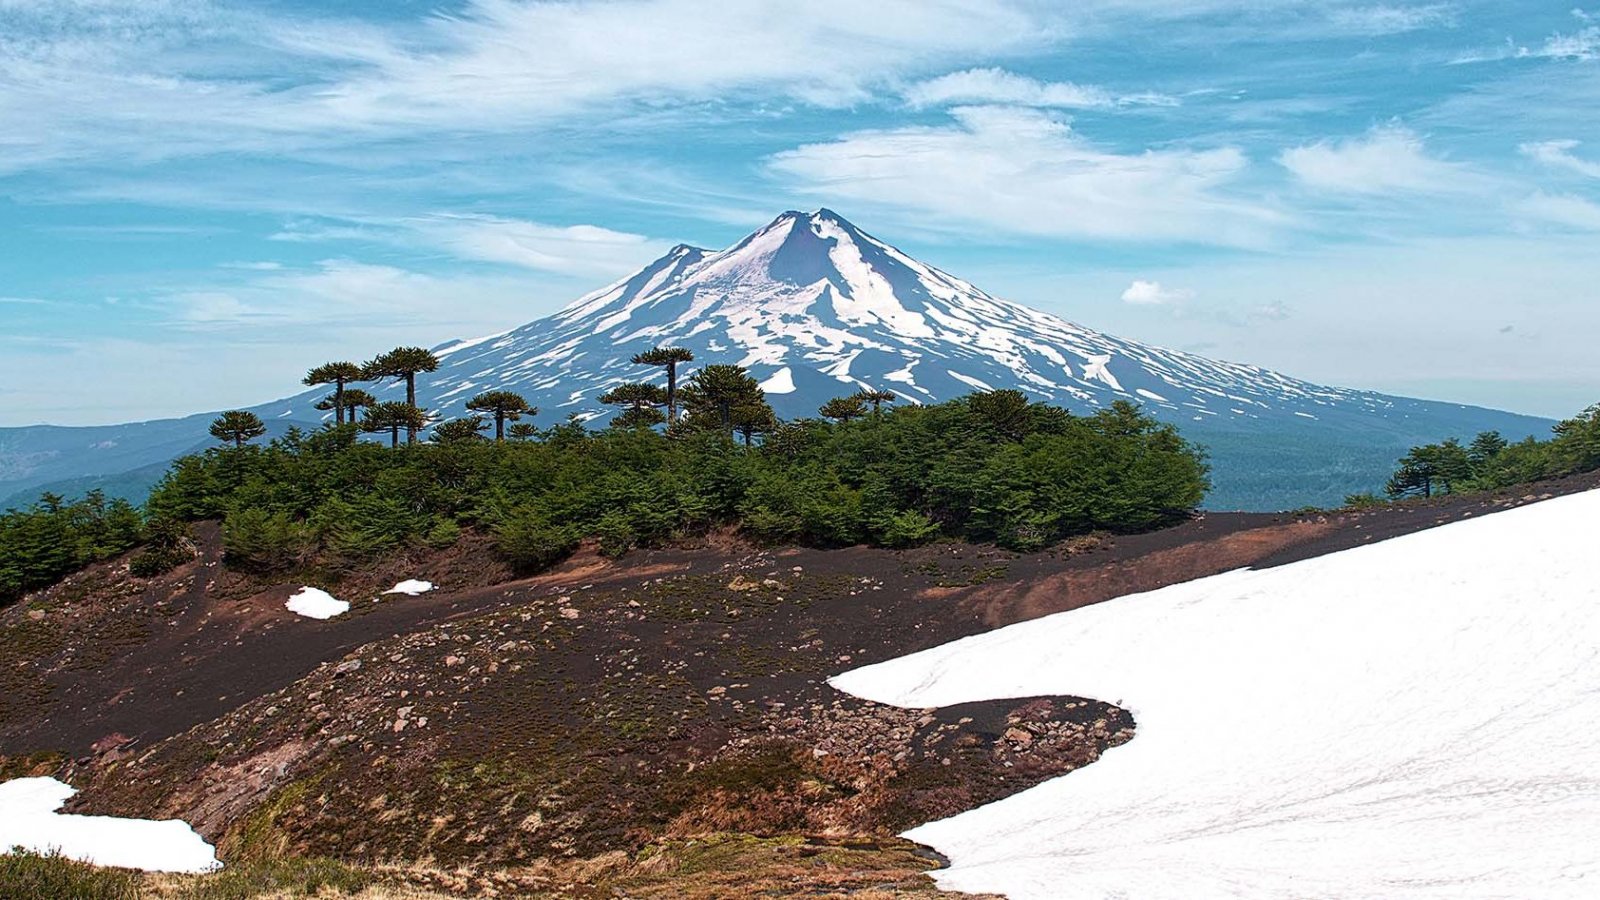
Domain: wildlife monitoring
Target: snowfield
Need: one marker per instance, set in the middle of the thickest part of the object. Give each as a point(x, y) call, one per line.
point(315, 603)
point(1414, 718)
point(28, 819)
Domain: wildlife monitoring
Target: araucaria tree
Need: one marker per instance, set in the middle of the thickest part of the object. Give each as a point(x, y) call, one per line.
point(392, 417)
point(403, 364)
point(641, 405)
point(337, 374)
point(667, 358)
point(463, 430)
point(876, 398)
point(716, 391)
point(843, 409)
point(504, 406)
point(237, 426)
point(753, 419)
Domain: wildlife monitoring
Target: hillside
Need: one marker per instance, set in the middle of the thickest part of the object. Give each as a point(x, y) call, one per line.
point(815, 308)
point(674, 695)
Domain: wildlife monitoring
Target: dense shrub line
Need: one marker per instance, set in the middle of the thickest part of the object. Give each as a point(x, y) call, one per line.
point(1489, 462)
point(53, 538)
point(990, 467)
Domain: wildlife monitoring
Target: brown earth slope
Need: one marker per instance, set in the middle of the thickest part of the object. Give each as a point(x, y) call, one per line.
point(607, 706)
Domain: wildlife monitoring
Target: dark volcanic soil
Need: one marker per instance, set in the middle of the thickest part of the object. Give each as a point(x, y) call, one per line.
point(602, 706)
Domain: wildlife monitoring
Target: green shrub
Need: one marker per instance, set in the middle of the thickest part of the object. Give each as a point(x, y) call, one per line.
point(33, 876)
point(907, 529)
point(255, 538)
point(530, 543)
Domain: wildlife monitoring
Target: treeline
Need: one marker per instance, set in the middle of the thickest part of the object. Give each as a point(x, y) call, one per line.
point(676, 460)
point(1488, 461)
point(989, 467)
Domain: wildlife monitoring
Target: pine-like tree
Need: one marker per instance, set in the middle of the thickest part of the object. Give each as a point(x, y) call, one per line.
point(337, 374)
point(237, 426)
point(403, 364)
point(641, 404)
point(522, 431)
point(843, 409)
point(504, 406)
point(459, 431)
point(750, 420)
point(877, 398)
point(667, 358)
point(356, 399)
point(392, 417)
point(717, 390)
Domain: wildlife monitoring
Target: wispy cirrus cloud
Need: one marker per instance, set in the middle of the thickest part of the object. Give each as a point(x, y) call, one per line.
point(185, 78)
point(1559, 155)
point(1385, 159)
point(1023, 171)
point(582, 250)
point(1564, 210)
point(1378, 20)
point(998, 86)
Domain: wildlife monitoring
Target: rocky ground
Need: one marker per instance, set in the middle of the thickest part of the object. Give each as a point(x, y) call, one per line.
point(556, 734)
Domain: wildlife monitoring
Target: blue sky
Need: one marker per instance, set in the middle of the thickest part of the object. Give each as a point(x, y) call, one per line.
point(199, 200)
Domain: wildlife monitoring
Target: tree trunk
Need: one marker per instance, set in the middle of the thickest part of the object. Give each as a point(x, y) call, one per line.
point(411, 400)
point(338, 401)
point(672, 392)
point(394, 437)
point(499, 425)
point(238, 441)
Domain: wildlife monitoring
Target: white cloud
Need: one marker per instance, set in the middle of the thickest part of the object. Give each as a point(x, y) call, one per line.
point(1565, 210)
point(1382, 20)
point(575, 249)
point(586, 250)
point(1024, 172)
point(1558, 154)
point(1153, 293)
point(1388, 158)
point(162, 81)
point(1583, 44)
point(998, 86)
point(348, 296)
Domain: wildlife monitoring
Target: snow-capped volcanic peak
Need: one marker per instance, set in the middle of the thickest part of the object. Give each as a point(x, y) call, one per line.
point(812, 293)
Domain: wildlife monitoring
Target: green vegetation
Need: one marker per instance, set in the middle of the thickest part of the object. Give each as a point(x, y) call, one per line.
point(988, 467)
point(30, 876)
point(41, 545)
point(983, 468)
point(1489, 462)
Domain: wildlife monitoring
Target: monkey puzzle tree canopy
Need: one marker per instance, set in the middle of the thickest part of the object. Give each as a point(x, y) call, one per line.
point(236, 426)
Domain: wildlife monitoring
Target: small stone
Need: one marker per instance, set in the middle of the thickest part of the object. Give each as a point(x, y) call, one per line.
point(346, 667)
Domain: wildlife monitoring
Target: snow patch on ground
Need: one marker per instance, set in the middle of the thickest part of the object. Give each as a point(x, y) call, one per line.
point(29, 819)
point(315, 603)
point(412, 587)
point(1413, 718)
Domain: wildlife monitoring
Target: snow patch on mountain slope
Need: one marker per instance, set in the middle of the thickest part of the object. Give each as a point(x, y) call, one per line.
point(30, 819)
point(1413, 718)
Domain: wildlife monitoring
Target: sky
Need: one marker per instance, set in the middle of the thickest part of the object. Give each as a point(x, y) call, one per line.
point(199, 200)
